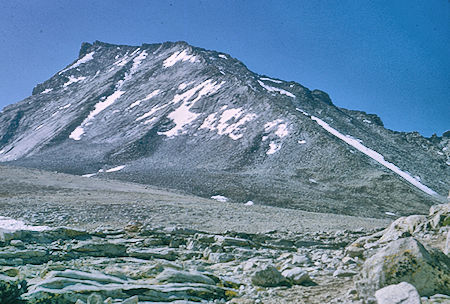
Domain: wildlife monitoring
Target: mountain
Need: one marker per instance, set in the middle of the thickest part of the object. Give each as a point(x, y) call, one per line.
point(186, 118)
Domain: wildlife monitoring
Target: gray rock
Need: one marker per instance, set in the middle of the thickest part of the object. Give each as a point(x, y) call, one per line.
point(341, 273)
point(178, 276)
point(300, 259)
point(447, 244)
point(95, 299)
point(402, 293)
point(297, 276)
point(403, 227)
point(132, 300)
point(406, 260)
point(220, 257)
point(153, 253)
point(17, 243)
point(100, 249)
point(269, 276)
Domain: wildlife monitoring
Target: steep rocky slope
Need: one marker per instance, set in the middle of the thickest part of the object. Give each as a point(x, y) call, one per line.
point(182, 117)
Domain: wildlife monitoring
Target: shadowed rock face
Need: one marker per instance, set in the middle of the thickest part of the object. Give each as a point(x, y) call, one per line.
point(182, 117)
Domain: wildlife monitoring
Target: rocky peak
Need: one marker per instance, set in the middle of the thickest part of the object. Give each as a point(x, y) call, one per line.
point(179, 116)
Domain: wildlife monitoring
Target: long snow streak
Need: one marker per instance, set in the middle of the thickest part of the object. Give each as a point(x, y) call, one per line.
point(374, 155)
point(86, 58)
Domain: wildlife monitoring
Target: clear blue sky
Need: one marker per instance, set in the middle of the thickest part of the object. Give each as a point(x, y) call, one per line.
point(388, 57)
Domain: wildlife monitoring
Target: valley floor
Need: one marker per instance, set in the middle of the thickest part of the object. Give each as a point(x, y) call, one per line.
point(106, 209)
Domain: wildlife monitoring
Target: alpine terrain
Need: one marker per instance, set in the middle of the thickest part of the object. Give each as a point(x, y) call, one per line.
point(199, 121)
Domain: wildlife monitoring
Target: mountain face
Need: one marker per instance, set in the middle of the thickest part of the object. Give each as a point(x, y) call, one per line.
point(182, 117)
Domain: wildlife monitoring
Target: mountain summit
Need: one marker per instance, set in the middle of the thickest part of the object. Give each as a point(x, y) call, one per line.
point(182, 117)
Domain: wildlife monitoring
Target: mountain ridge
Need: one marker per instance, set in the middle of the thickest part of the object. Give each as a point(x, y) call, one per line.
point(199, 121)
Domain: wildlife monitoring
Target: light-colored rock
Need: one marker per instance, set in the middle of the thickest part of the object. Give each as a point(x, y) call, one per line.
point(218, 257)
point(95, 299)
point(341, 273)
point(132, 300)
point(179, 276)
point(403, 227)
point(405, 260)
point(447, 244)
point(402, 293)
point(296, 275)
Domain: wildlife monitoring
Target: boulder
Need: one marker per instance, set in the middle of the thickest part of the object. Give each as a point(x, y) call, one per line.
point(405, 260)
point(297, 276)
point(403, 227)
point(179, 276)
point(132, 300)
point(342, 273)
point(269, 276)
point(402, 293)
point(100, 249)
point(11, 289)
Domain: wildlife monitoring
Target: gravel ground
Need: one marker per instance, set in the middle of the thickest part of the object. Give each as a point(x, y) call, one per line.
point(57, 199)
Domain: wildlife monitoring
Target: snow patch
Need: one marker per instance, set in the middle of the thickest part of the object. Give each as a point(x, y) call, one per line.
point(249, 203)
point(76, 134)
point(374, 155)
point(86, 58)
point(102, 105)
point(137, 61)
point(179, 56)
point(273, 148)
point(390, 213)
point(220, 198)
point(151, 112)
point(148, 97)
point(223, 56)
point(14, 225)
point(282, 130)
point(223, 128)
point(38, 127)
point(2, 151)
point(46, 91)
point(65, 107)
point(273, 89)
point(99, 107)
point(182, 115)
point(74, 80)
point(89, 175)
point(118, 168)
point(301, 111)
point(367, 121)
point(270, 79)
point(301, 141)
point(182, 86)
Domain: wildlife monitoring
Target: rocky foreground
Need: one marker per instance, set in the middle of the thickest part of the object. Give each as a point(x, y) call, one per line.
point(407, 262)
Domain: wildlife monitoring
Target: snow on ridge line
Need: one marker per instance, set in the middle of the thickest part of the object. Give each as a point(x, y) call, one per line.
point(273, 89)
point(86, 58)
point(270, 79)
point(47, 91)
point(375, 156)
point(74, 80)
point(179, 56)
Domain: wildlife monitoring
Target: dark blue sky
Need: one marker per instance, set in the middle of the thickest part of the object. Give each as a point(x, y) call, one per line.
point(391, 58)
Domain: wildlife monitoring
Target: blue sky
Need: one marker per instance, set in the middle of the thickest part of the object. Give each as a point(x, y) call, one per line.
point(391, 58)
